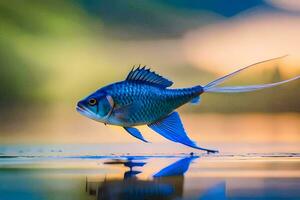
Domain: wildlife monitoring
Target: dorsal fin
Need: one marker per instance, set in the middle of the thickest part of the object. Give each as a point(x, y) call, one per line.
point(147, 76)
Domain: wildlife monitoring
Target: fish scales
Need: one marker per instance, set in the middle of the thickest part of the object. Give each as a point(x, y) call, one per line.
point(149, 102)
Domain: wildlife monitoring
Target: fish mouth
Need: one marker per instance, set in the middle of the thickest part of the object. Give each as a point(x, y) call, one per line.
point(85, 112)
point(80, 109)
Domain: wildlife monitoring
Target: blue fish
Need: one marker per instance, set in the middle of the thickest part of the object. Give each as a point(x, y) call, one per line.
point(145, 98)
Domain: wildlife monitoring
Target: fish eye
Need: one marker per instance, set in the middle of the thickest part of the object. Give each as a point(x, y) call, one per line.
point(92, 102)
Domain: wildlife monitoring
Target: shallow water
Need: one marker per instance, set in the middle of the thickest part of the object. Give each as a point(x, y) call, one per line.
point(180, 176)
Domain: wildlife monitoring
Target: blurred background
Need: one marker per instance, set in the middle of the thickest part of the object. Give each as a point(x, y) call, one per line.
point(53, 53)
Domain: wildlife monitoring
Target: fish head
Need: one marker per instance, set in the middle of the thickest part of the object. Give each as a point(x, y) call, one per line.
point(97, 106)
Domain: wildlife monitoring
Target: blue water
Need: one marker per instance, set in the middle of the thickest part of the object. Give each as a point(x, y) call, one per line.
point(177, 176)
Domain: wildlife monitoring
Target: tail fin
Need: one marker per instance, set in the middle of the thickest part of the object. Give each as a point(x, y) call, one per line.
point(212, 86)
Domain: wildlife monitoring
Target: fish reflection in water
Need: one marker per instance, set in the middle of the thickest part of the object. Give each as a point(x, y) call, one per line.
point(165, 184)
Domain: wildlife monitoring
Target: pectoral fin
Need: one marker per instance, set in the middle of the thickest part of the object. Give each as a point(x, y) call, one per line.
point(172, 129)
point(135, 133)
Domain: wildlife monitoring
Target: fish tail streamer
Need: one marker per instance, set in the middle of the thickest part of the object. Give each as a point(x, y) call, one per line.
point(212, 87)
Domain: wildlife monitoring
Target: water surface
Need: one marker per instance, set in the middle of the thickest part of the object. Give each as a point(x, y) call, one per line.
point(177, 176)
